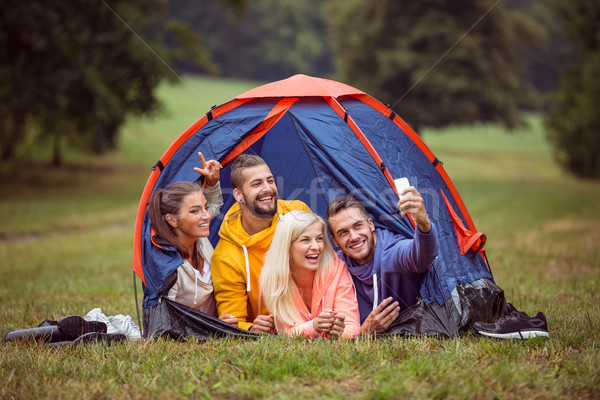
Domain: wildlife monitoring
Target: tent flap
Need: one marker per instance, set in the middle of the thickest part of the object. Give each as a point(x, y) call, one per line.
point(175, 320)
point(466, 239)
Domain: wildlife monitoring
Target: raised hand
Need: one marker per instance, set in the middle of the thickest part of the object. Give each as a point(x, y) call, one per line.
point(412, 203)
point(209, 169)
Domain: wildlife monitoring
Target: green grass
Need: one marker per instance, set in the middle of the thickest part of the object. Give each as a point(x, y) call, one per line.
point(65, 245)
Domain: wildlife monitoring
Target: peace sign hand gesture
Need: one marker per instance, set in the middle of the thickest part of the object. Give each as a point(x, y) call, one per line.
point(209, 169)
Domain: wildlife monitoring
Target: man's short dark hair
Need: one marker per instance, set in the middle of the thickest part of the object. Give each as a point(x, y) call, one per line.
point(242, 162)
point(341, 204)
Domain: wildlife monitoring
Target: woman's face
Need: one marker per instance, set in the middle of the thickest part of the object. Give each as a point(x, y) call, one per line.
point(193, 218)
point(307, 249)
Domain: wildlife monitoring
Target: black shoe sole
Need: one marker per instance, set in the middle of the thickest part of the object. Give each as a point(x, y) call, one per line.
point(516, 335)
point(74, 326)
point(92, 337)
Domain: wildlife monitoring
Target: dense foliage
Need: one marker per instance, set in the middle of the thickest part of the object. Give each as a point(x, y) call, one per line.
point(266, 40)
point(574, 122)
point(72, 71)
point(435, 62)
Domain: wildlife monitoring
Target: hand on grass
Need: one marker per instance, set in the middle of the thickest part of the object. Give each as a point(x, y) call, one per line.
point(337, 328)
point(324, 321)
point(263, 324)
point(380, 319)
point(230, 319)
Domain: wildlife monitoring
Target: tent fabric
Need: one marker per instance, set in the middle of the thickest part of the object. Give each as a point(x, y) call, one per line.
point(177, 321)
point(435, 320)
point(466, 239)
point(322, 139)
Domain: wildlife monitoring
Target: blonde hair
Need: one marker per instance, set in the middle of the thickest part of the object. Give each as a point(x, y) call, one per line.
point(276, 282)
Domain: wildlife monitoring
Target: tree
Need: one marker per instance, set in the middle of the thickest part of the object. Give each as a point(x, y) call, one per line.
point(73, 70)
point(436, 62)
point(270, 40)
point(573, 122)
point(545, 59)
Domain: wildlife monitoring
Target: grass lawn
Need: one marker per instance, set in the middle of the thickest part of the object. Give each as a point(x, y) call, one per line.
point(65, 245)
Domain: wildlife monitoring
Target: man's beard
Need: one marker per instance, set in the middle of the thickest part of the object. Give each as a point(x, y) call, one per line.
point(258, 210)
point(368, 251)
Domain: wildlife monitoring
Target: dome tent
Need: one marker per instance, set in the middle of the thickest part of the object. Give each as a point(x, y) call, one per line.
point(323, 139)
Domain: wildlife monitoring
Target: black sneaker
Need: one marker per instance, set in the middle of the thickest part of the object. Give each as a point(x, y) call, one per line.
point(515, 324)
point(92, 337)
point(74, 326)
point(44, 333)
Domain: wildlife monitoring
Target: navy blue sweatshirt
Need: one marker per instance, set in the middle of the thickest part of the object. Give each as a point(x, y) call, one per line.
point(400, 264)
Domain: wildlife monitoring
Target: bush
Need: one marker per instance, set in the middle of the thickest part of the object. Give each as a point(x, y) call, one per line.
point(574, 122)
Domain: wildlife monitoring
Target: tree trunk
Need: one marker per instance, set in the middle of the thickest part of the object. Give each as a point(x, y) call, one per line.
point(56, 151)
point(16, 134)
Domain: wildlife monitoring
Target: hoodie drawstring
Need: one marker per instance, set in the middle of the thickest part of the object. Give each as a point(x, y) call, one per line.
point(247, 268)
point(375, 292)
point(196, 274)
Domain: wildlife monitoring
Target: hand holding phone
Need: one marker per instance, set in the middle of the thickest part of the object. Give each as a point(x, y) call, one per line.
point(401, 184)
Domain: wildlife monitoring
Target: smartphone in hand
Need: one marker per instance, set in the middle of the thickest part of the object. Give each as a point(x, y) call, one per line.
point(401, 184)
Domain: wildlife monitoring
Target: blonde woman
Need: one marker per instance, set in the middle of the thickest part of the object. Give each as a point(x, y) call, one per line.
point(304, 284)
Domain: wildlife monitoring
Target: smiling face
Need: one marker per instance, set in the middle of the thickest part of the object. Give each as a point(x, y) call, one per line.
point(306, 251)
point(192, 220)
point(354, 234)
point(258, 192)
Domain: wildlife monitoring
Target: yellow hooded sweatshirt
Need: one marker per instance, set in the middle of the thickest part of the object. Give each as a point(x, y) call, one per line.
point(237, 261)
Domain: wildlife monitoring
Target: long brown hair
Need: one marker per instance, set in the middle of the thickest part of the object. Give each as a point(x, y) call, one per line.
point(169, 201)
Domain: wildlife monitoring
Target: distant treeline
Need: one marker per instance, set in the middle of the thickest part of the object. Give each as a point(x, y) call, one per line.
point(273, 39)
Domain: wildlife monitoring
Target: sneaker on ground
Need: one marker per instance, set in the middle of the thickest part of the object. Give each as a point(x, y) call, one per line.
point(74, 326)
point(515, 324)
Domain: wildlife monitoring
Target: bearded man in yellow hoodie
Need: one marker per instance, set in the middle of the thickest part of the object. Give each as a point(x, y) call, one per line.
point(246, 234)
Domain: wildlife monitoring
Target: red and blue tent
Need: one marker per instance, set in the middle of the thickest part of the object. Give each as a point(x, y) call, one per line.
point(323, 139)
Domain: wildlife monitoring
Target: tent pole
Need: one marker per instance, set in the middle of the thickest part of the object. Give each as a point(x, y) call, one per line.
point(137, 307)
point(487, 262)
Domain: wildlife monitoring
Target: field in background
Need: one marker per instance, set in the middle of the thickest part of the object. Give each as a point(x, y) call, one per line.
point(65, 248)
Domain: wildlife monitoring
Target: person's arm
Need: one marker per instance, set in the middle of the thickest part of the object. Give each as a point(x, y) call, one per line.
point(229, 282)
point(305, 329)
point(214, 198)
point(212, 190)
point(411, 255)
point(313, 328)
point(172, 295)
point(417, 254)
point(345, 303)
